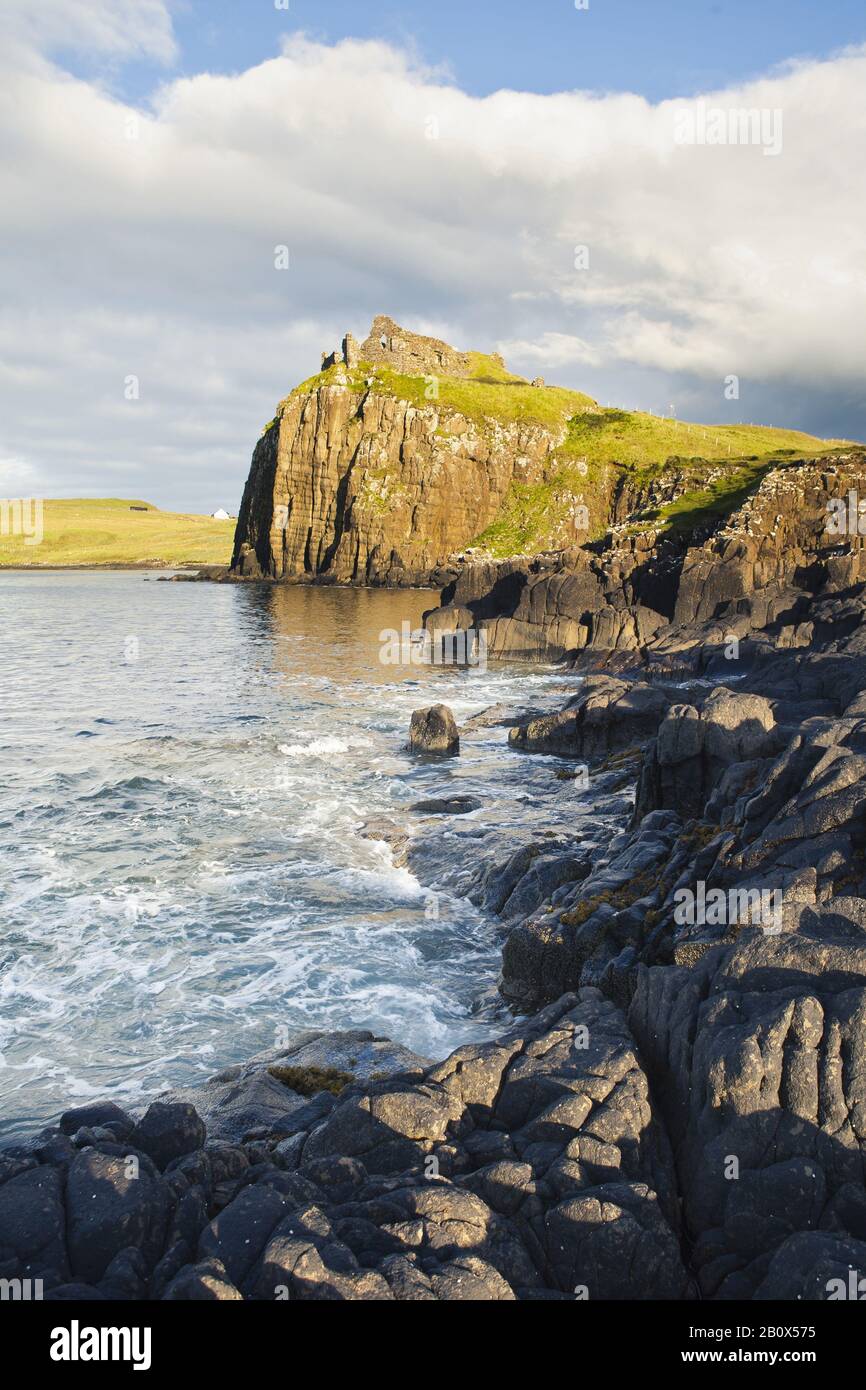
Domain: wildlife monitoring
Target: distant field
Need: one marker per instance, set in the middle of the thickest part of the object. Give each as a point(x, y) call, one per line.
point(105, 531)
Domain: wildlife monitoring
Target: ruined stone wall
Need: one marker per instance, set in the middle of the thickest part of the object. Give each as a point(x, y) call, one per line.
point(411, 353)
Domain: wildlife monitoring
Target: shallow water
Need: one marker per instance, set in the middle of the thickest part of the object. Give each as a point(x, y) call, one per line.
point(186, 770)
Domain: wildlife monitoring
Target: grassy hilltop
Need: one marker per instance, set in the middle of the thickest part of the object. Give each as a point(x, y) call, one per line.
point(714, 467)
point(106, 531)
point(718, 465)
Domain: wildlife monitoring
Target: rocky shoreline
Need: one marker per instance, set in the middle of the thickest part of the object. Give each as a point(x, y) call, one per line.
point(678, 1111)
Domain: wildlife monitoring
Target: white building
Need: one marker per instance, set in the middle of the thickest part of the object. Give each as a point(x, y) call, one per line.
point(220, 514)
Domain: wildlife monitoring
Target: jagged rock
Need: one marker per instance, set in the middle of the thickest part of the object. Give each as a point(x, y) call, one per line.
point(551, 951)
point(694, 748)
point(245, 1098)
point(608, 714)
point(546, 872)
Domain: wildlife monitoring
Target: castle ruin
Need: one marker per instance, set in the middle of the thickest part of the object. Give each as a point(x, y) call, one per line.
point(411, 354)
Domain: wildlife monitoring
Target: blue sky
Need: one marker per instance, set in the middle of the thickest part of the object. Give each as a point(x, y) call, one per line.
point(660, 48)
point(142, 203)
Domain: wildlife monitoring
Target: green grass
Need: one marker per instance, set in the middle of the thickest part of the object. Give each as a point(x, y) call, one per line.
point(485, 367)
point(481, 401)
point(599, 446)
point(104, 531)
point(494, 394)
point(715, 500)
point(643, 443)
point(536, 516)
point(610, 443)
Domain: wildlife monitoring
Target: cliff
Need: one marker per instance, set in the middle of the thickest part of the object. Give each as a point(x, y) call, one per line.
point(386, 465)
point(648, 587)
point(403, 452)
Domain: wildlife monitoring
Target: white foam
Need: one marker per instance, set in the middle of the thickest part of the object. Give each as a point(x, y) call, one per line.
point(316, 748)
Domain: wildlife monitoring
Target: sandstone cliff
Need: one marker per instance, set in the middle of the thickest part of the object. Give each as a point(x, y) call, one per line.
point(363, 487)
point(403, 452)
point(390, 461)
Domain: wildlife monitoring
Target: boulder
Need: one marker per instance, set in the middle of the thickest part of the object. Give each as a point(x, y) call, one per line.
point(433, 730)
point(113, 1202)
point(168, 1131)
point(104, 1114)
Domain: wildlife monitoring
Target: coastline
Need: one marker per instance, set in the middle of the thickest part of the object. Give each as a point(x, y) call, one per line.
point(673, 1112)
point(108, 565)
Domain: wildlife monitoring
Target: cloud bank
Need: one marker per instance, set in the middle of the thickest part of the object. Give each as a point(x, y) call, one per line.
point(573, 232)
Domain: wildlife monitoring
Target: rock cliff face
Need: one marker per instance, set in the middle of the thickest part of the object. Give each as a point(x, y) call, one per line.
point(641, 589)
point(367, 476)
point(358, 486)
point(403, 453)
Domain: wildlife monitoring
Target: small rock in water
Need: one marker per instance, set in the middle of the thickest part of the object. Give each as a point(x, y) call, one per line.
point(433, 730)
point(446, 806)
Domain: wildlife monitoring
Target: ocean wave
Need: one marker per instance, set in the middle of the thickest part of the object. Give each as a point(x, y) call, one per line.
point(316, 748)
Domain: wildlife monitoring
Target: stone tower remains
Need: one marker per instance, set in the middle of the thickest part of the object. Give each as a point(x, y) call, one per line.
point(411, 354)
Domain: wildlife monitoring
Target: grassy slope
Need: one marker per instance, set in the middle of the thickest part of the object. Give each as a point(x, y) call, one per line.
point(645, 446)
point(104, 531)
point(598, 444)
point(492, 393)
point(643, 443)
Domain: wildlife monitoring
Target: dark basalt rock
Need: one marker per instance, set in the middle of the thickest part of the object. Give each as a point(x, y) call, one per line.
point(113, 1202)
point(169, 1131)
point(446, 806)
point(104, 1114)
point(606, 716)
point(523, 1167)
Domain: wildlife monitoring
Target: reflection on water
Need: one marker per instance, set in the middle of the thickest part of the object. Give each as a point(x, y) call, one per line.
point(181, 865)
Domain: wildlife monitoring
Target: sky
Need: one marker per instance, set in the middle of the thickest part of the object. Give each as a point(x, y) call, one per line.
point(567, 184)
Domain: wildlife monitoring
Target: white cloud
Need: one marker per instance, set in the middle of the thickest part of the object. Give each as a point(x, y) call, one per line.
point(397, 192)
point(18, 478)
point(112, 28)
point(552, 349)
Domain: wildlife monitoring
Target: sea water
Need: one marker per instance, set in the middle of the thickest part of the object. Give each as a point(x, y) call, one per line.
point(187, 769)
